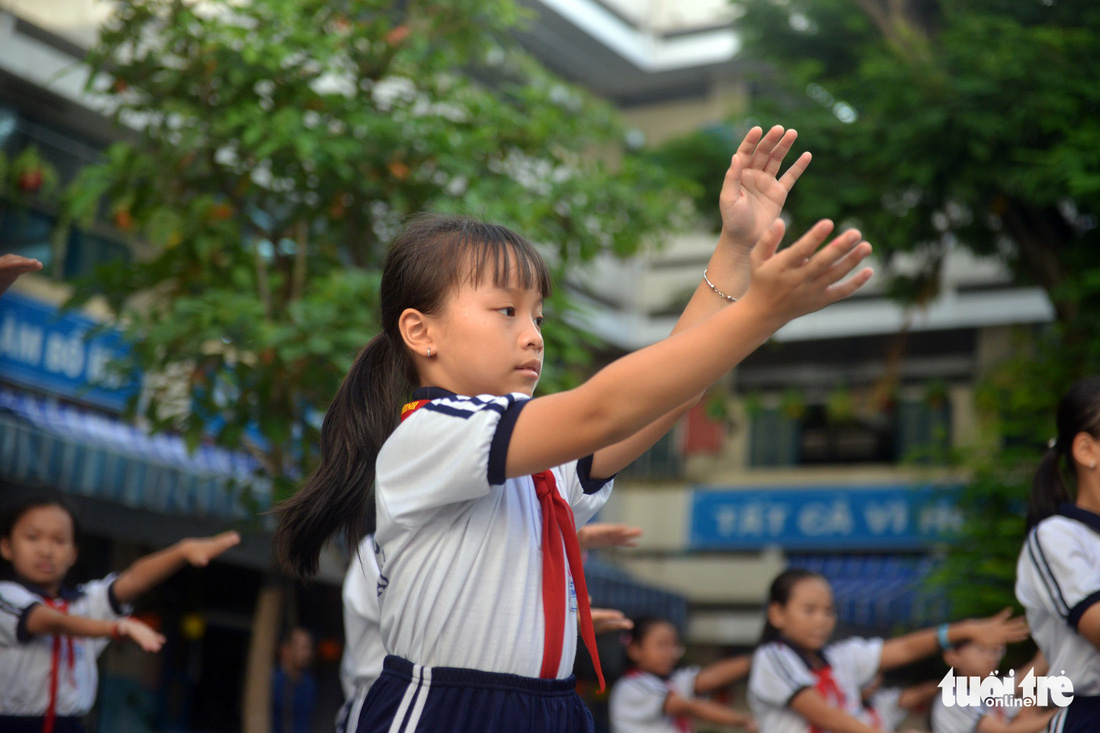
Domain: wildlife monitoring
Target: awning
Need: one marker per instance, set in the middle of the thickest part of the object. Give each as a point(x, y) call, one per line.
point(45, 443)
point(878, 591)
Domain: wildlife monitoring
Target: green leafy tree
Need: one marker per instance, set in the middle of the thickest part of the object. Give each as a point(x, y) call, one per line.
point(279, 146)
point(944, 124)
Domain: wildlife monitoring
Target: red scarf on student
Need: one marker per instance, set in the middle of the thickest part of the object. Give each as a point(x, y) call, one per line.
point(558, 533)
point(62, 606)
point(829, 689)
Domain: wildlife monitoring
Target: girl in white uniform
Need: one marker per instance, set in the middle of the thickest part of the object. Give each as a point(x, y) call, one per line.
point(475, 495)
point(655, 697)
point(803, 683)
point(1058, 573)
point(51, 634)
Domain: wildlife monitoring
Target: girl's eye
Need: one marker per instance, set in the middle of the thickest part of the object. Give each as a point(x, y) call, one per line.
point(509, 311)
point(539, 320)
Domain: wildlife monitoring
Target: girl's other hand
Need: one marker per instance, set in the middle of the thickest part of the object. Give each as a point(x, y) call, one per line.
point(805, 276)
point(998, 630)
point(142, 635)
point(12, 266)
point(608, 619)
point(199, 552)
point(604, 534)
point(752, 194)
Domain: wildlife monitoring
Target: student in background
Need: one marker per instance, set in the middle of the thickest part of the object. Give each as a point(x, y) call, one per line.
point(293, 686)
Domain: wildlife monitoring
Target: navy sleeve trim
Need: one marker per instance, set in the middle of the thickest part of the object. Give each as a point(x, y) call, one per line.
point(795, 694)
point(116, 605)
point(498, 449)
point(584, 472)
point(21, 632)
point(1078, 611)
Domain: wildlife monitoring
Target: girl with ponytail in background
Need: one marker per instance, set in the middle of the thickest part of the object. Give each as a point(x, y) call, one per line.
point(1058, 573)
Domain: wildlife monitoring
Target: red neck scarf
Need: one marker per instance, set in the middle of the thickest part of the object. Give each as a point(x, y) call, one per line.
point(62, 606)
point(829, 689)
point(559, 543)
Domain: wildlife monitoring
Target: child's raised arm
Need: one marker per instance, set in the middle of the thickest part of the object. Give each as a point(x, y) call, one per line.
point(752, 198)
point(45, 620)
point(995, 630)
point(635, 390)
point(153, 569)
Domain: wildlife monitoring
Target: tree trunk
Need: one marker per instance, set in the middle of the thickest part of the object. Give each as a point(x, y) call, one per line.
point(256, 710)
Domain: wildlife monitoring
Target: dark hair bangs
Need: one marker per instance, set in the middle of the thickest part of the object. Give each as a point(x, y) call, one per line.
point(496, 254)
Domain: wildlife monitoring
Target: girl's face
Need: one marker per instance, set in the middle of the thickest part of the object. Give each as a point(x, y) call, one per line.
point(487, 340)
point(658, 651)
point(809, 616)
point(41, 547)
point(974, 660)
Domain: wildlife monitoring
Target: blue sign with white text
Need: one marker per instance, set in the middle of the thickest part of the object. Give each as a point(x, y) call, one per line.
point(824, 517)
point(46, 349)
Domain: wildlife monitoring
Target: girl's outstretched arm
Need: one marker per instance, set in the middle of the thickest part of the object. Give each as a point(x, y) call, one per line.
point(721, 673)
point(153, 569)
point(45, 620)
point(811, 705)
point(752, 197)
point(635, 390)
point(707, 710)
point(995, 630)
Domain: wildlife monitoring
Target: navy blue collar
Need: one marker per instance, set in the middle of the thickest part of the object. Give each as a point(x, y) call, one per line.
point(1084, 516)
point(431, 393)
point(64, 592)
point(813, 661)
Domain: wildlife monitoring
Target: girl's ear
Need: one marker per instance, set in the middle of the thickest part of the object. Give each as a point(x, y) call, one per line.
point(415, 331)
point(776, 615)
point(1085, 450)
point(5, 548)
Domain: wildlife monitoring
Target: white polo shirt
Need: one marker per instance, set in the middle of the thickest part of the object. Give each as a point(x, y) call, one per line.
point(459, 546)
point(1057, 580)
point(363, 649)
point(637, 702)
point(26, 660)
point(965, 718)
point(779, 673)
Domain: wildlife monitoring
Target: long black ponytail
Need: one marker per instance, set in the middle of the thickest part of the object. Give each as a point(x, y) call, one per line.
point(431, 256)
point(1078, 412)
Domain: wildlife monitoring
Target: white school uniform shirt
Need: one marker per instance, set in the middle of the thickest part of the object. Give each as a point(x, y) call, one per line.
point(965, 718)
point(26, 660)
point(779, 672)
point(1057, 580)
point(459, 546)
point(363, 649)
point(637, 701)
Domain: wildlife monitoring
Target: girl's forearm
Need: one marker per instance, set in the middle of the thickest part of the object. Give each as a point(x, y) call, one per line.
point(722, 673)
point(45, 620)
point(148, 572)
point(714, 712)
point(635, 390)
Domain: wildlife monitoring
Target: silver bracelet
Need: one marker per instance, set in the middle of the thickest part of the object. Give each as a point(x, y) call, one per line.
point(706, 279)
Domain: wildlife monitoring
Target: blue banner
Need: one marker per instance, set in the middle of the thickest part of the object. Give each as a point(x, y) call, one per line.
point(822, 517)
point(46, 350)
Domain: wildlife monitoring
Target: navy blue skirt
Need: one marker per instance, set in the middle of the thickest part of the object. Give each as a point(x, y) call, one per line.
point(33, 724)
point(1082, 716)
point(408, 697)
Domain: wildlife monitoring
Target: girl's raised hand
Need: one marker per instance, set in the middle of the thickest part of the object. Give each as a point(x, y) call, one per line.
point(604, 534)
point(998, 630)
point(608, 619)
point(805, 276)
point(199, 552)
point(12, 266)
point(752, 193)
point(142, 635)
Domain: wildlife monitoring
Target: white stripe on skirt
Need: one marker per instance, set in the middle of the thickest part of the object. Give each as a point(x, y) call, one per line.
point(406, 700)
